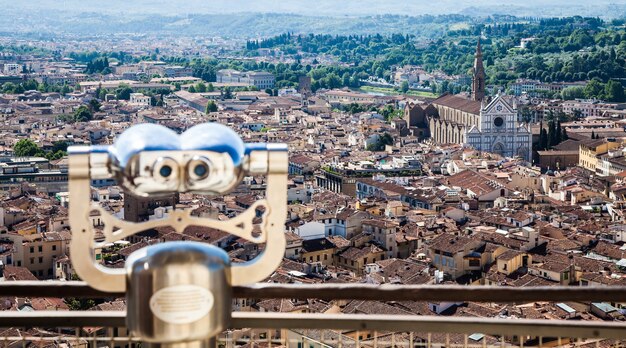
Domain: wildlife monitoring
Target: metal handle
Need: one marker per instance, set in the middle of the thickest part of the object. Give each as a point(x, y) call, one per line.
point(113, 280)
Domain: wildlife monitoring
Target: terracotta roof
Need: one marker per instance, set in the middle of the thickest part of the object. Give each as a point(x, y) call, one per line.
point(17, 273)
point(459, 103)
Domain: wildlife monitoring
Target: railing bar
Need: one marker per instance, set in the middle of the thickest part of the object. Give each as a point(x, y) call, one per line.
point(432, 292)
point(340, 339)
point(66, 337)
point(110, 331)
point(386, 292)
point(392, 323)
point(77, 335)
point(399, 323)
point(375, 339)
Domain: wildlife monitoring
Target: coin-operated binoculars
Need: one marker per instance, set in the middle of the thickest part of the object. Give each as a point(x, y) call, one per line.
point(177, 292)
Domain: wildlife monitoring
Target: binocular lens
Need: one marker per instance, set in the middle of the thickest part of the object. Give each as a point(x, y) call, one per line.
point(165, 171)
point(201, 169)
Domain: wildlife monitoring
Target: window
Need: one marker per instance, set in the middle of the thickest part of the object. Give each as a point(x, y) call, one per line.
point(19, 263)
point(32, 250)
point(54, 248)
point(325, 256)
point(41, 260)
point(318, 257)
point(40, 248)
point(32, 260)
point(474, 263)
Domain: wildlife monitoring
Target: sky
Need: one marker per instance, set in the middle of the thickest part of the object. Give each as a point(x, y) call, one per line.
point(305, 7)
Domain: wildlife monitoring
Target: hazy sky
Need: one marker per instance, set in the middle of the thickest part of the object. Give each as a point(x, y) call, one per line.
point(308, 7)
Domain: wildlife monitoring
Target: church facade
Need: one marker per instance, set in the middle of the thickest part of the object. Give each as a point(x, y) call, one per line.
point(486, 124)
point(499, 132)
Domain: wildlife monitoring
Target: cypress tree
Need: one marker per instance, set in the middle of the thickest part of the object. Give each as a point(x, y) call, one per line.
point(551, 134)
point(543, 139)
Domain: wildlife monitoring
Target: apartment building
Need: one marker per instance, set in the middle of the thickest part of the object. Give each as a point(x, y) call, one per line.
point(38, 252)
point(590, 150)
point(260, 79)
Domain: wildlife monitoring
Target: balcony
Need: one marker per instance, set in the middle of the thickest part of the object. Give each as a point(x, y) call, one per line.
point(106, 328)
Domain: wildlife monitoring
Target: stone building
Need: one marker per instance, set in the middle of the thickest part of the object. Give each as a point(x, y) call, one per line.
point(486, 124)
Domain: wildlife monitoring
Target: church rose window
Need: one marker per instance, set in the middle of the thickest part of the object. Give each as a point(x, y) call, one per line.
point(498, 121)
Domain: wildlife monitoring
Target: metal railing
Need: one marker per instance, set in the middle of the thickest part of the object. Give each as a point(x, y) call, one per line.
point(105, 328)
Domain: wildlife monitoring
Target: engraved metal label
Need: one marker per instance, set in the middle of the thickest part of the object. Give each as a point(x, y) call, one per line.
point(181, 304)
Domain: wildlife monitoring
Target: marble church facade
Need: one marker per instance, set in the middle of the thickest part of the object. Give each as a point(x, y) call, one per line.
point(486, 124)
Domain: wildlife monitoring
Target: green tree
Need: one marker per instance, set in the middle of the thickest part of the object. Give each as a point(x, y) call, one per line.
point(227, 93)
point(543, 139)
point(551, 134)
point(379, 145)
point(614, 92)
point(211, 106)
point(572, 93)
point(94, 105)
point(82, 114)
point(594, 89)
point(200, 87)
point(25, 147)
point(123, 92)
point(79, 304)
point(210, 88)
point(404, 87)
point(59, 146)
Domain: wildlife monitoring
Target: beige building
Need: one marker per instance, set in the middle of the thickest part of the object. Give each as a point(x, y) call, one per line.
point(383, 232)
point(512, 260)
point(355, 258)
point(318, 250)
point(38, 252)
point(455, 255)
point(591, 149)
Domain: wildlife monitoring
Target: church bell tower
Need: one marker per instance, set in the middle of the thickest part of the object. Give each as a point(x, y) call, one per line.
point(478, 80)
